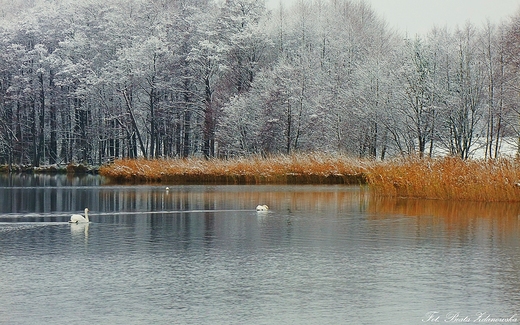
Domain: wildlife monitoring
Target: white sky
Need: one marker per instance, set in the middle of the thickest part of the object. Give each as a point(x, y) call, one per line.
point(419, 16)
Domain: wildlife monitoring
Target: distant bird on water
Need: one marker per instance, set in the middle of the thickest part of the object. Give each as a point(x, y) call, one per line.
point(262, 207)
point(78, 218)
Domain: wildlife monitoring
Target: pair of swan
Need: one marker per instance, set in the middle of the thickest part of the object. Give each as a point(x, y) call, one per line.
point(78, 218)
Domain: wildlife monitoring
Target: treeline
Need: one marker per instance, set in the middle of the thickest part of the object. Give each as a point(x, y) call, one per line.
point(93, 81)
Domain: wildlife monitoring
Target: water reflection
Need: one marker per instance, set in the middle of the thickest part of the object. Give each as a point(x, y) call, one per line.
point(49, 180)
point(496, 221)
point(477, 242)
point(203, 255)
point(450, 210)
point(79, 230)
point(281, 198)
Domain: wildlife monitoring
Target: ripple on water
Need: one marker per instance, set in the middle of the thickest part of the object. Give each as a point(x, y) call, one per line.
point(322, 255)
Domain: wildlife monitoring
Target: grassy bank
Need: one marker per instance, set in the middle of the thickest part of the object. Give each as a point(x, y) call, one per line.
point(445, 178)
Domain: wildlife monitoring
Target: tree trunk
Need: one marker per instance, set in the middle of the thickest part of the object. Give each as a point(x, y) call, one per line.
point(209, 124)
point(134, 124)
point(53, 144)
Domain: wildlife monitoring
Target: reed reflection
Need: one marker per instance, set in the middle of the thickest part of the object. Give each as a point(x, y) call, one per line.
point(451, 211)
point(240, 197)
point(498, 221)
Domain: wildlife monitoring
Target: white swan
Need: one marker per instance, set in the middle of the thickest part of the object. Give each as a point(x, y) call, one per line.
point(78, 218)
point(262, 207)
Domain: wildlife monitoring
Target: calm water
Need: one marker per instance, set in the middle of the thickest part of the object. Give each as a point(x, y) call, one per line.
point(202, 255)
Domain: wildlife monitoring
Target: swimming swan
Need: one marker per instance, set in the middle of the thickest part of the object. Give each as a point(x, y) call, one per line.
point(262, 207)
point(78, 218)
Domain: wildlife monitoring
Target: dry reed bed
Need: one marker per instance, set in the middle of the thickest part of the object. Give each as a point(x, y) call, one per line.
point(292, 169)
point(443, 178)
point(448, 179)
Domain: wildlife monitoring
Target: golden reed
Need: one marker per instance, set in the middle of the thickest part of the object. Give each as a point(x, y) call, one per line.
point(448, 179)
point(283, 169)
point(441, 178)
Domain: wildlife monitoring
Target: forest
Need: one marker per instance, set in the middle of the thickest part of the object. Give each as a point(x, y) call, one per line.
point(98, 80)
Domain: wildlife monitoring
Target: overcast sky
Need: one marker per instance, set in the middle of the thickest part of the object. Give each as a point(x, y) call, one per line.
point(419, 16)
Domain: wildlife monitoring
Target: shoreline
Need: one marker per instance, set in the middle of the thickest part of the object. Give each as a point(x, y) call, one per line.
point(446, 178)
point(50, 169)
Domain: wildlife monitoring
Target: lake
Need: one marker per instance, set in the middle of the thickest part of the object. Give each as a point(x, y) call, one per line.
point(203, 255)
